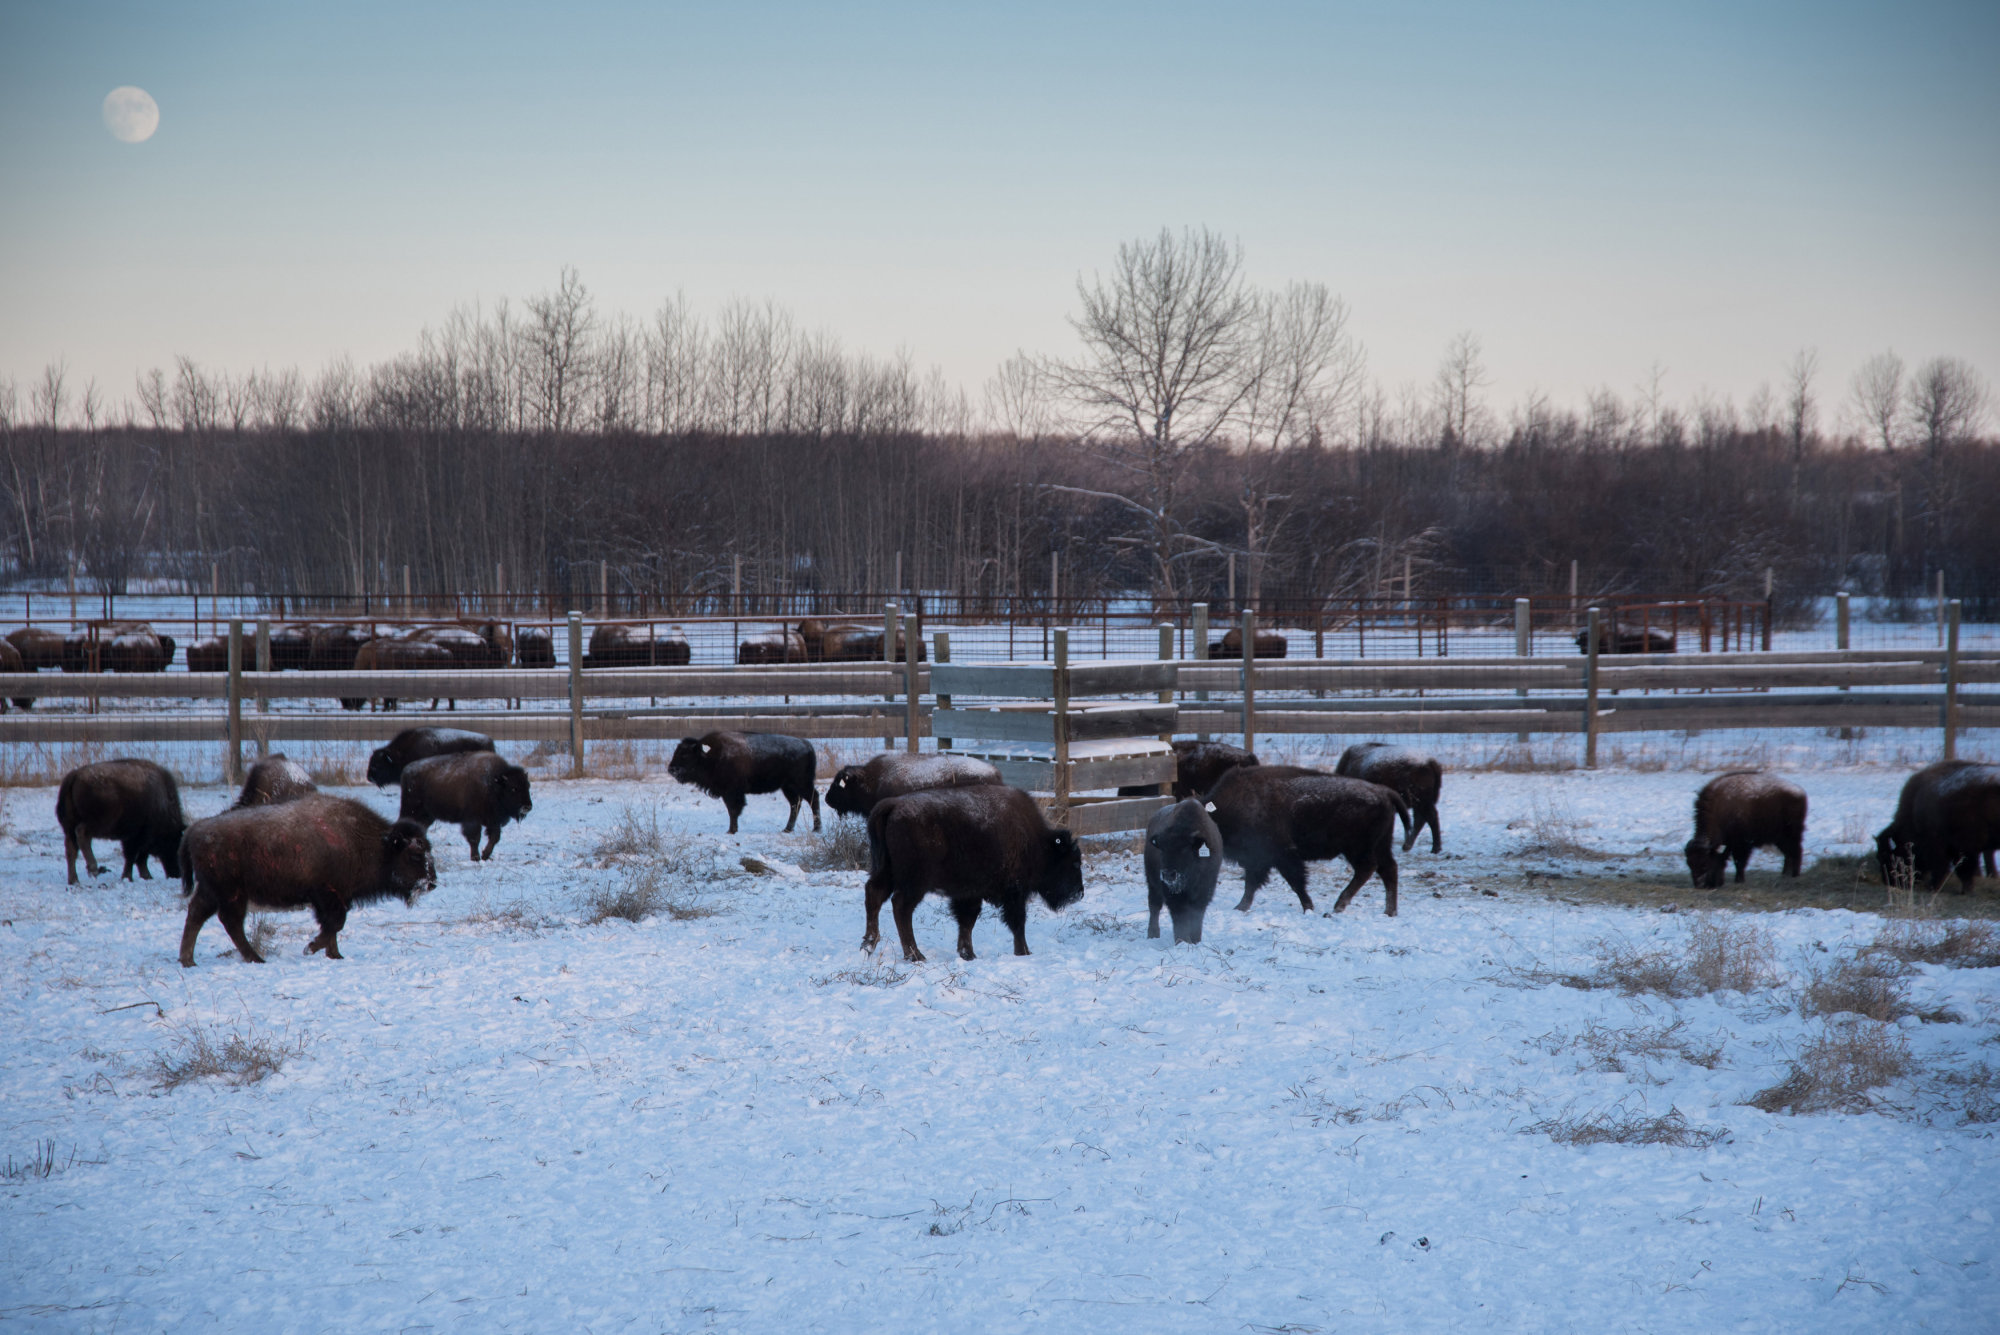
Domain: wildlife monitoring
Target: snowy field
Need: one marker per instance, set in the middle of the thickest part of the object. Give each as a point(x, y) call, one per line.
point(495, 1115)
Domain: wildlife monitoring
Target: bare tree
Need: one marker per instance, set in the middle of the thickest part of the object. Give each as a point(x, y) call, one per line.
point(1877, 397)
point(1455, 392)
point(152, 390)
point(1017, 400)
point(50, 395)
point(1801, 410)
point(559, 340)
point(676, 354)
point(1946, 401)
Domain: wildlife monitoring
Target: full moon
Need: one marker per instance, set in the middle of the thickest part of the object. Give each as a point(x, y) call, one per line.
point(131, 114)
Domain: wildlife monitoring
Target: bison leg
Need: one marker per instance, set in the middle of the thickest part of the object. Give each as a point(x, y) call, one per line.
point(1431, 819)
point(1412, 820)
point(733, 804)
point(1795, 856)
point(69, 854)
point(1254, 876)
point(231, 916)
point(878, 895)
point(1989, 864)
point(332, 915)
point(795, 814)
point(1385, 867)
point(1384, 855)
point(1015, 914)
point(471, 832)
point(967, 913)
point(1967, 871)
point(812, 796)
point(903, 905)
point(201, 907)
point(81, 840)
point(1293, 868)
point(1155, 901)
point(135, 856)
point(492, 838)
point(1740, 855)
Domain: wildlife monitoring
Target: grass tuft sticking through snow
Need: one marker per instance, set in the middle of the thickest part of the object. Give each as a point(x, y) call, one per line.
point(1863, 985)
point(1717, 956)
point(632, 835)
point(40, 1165)
point(1618, 1126)
point(1836, 1068)
point(1956, 945)
point(645, 890)
point(240, 1058)
point(841, 846)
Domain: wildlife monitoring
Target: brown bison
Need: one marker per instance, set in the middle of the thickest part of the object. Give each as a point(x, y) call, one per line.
point(40, 648)
point(987, 844)
point(319, 852)
point(778, 646)
point(816, 630)
point(122, 646)
point(729, 765)
point(390, 654)
point(467, 647)
point(11, 661)
point(1418, 778)
point(1197, 767)
point(474, 790)
point(210, 653)
point(1627, 640)
point(1183, 862)
point(1947, 816)
point(536, 647)
point(133, 801)
point(386, 763)
point(1282, 817)
point(1268, 644)
point(615, 646)
point(333, 647)
point(275, 779)
point(1743, 810)
point(857, 788)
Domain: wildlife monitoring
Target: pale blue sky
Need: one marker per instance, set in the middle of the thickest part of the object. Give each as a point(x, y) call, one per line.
point(1589, 188)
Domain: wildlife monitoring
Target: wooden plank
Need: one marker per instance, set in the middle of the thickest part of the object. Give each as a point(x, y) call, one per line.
point(1275, 675)
point(1858, 715)
point(116, 685)
point(1100, 722)
point(1109, 817)
point(1006, 725)
point(1038, 776)
point(694, 725)
point(1384, 721)
point(1617, 676)
point(1122, 677)
point(1031, 681)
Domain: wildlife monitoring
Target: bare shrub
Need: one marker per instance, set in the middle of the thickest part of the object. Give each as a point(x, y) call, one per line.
point(514, 916)
point(41, 1164)
point(1617, 1125)
point(1836, 1069)
point(1553, 829)
point(841, 846)
point(1607, 1048)
point(334, 772)
point(645, 890)
point(239, 1058)
point(1973, 1093)
point(632, 835)
point(1717, 956)
point(1956, 945)
point(877, 973)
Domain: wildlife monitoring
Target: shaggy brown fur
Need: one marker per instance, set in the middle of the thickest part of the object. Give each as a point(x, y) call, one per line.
point(1743, 810)
point(474, 790)
point(730, 765)
point(1418, 778)
point(1282, 817)
point(857, 788)
point(133, 801)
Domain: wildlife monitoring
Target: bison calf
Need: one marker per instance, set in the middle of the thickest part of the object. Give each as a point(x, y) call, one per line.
point(857, 788)
point(1417, 778)
point(1280, 817)
point(986, 844)
point(386, 763)
point(133, 801)
point(730, 765)
point(474, 790)
point(323, 853)
point(1740, 811)
point(275, 779)
point(1183, 860)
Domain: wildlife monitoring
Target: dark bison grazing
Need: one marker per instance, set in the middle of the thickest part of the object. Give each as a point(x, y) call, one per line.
point(386, 763)
point(1183, 860)
point(729, 765)
point(475, 791)
point(124, 646)
point(275, 779)
point(1268, 644)
point(332, 648)
point(467, 647)
point(841, 642)
point(987, 844)
point(1947, 817)
point(323, 853)
point(1197, 767)
point(1417, 778)
point(39, 647)
point(210, 653)
point(857, 788)
point(815, 631)
point(291, 648)
point(536, 647)
point(1739, 811)
point(133, 801)
point(1282, 817)
point(388, 654)
point(1626, 640)
point(778, 646)
point(613, 646)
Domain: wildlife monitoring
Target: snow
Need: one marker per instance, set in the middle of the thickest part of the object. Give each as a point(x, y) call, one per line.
point(501, 1118)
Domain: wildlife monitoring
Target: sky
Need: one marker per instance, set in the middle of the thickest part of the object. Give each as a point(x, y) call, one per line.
point(1594, 190)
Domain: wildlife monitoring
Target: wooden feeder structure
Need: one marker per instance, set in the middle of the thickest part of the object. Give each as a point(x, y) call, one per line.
point(1043, 740)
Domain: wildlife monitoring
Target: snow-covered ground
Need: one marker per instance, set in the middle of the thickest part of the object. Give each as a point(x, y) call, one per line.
point(497, 1117)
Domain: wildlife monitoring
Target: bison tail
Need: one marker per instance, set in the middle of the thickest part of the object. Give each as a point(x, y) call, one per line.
point(187, 868)
point(878, 842)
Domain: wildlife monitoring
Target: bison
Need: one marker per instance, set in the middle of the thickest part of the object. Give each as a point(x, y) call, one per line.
point(778, 646)
point(1626, 640)
point(1947, 816)
point(210, 653)
point(333, 647)
point(857, 788)
point(1197, 767)
point(1283, 816)
point(729, 765)
point(11, 661)
point(390, 654)
point(816, 630)
point(39, 648)
point(122, 646)
point(386, 763)
point(474, 790)
point(319, 852)
point(1418, 778)
point(467, 648)
point(1267, 644)
point(133, 801)
point(614, 646)
point(1743, 810)
point(987, 844)
point(536, 647)
point(1183, 860)
point(275, 779)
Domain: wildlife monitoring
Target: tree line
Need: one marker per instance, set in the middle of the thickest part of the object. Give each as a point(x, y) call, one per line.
point(1205, 434)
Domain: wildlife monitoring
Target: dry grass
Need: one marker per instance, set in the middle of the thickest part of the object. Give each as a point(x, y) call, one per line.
point(1837, 1067)
point(1974, 1094)
point(841, 846)
point(1717, 956)
point(1617, 1125)
point(876, 973)
point(613, 760)
point(1607, 1049)
point(1956, 944)
point(645, 890)
point(633, 835)
point(41, 1164)
point(239, 1058)
point(329, 771)
point(1553, 829)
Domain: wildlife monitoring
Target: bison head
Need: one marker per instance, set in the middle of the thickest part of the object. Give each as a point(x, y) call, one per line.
point(691, 763)
point(1706, 862)
point(510, 792)
point(382, 771)
point(848, 793)
point(1062, 874)
point(407, 870)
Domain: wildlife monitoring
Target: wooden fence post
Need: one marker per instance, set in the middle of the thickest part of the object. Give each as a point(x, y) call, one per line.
point(1951, 616)
point(1200, 632)
point(891, 618)
point(1592, 621)
point(1524, 643)
point(263, 665)
point(1842, 622)
point(942, 654)
point(576, 695)
point(913, 708)
point(1060, 637)
point(236, 700)
point(1166, 656)
point(1249, 680)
